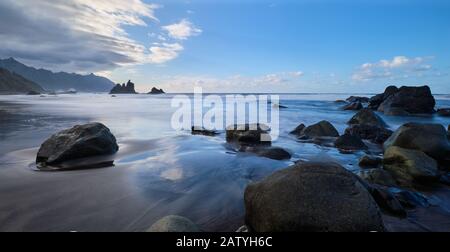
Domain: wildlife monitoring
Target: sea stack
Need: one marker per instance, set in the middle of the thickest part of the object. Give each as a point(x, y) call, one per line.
point(124, 88)
point(156, 91)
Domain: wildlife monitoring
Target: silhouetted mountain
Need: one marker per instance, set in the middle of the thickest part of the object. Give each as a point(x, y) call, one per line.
point(124, 89)
point(61, 81)
point(12, 83)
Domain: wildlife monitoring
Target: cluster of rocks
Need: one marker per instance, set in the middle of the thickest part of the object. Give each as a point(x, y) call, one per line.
point(124, 88)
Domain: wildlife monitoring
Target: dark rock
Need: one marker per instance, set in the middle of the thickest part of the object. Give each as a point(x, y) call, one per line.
point(410, 166)
point(445, 179)
point(395, 111)
point(350, 142)
point(298, 131)
point(173, 223)
point(376, 100)
point(367, 116)
point(413, 100)
point(373, 133)
point(276, 153)
point(377, 176)
point(357, 99)
point(33, 93)
point(340, 101)
point(370, 161)
point(428, 138)
point(81, 141)
point(353, 106)
point(387, 201)
point(320, 129)
point(279, 106)
point(197, 130)
point(156, 91)
point(311, 197)
point(248, 134)
point(410, 199)
point(444, 112)
point(124, 89)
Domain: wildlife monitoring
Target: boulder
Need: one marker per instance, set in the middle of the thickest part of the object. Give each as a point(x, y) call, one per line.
point(198, 130)
point(376, 100)
point(387, 201)
point(298, 130)
point(413, 100)
point(275, 153)
point(173, 223)
point(348, 142)
point(81, 141)
point(428, 138)
point(373, 133)
point(395, 111)
point(367, 116)
point(156, 91)
point(444, 112)
point(353, 106)
point(356, 99)
point(248, 134)
point(377, 176)
point(320, 129)
point(368, 161)
point(311, 197)
point(410, 166)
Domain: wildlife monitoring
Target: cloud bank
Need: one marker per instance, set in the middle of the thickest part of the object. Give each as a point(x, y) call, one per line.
point(84, 35)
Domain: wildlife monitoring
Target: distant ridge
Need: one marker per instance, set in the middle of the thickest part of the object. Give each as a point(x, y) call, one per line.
point(12, 83)
point(61, 81)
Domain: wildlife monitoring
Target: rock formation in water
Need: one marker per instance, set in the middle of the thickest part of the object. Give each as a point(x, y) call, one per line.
point(124, 88)
point(156, 91)
point(12, 83)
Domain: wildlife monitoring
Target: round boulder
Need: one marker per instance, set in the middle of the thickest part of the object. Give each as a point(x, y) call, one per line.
point(373, 133)
point(174, 223)
point(350, 142)
point(413, 100)
point(367, 116)
point(311, 197)
point(320, 129)
point(81, 141)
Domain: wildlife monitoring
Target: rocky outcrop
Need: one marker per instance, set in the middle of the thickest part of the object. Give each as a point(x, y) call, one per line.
point(348, 142)
point(124, 89)
point(408, 100)
point(173, 223)
point(428, 138)
point(356, 99)
point(311, 197)
point(353, 106)
point(376, 100)
point(373, 133)
point(368, 117)
point(81, 141)
point(410, 166)
point(318, 130)
point(156, 91)
point(445, 112)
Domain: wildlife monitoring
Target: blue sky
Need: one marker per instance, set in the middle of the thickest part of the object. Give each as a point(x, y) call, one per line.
point(273, 46)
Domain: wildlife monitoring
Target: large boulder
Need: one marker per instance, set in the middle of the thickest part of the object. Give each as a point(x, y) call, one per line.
point(428, 138)
point(311, 197)
point(412, 100)
point(174, 223)
point(248, 134)
point(410, 166)
point(353, 106)
point(367, 116)
point(376, 100)
point(81, 141)
point(348, 142)
point(373, 133)
point(320, 129)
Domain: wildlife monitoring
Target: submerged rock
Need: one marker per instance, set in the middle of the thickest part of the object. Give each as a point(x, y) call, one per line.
point(311, 197)
point(275, 153)
point(412, 100)
point(81, 141)
point(198, 130)
point(373, 133)
point(428, 138)
point(353, 106)
point(368, 117)
point(410, 166)
point(444, 112)
point(350, 142)
point(320, 129)
point(248, 134)
point(368, 161)
point(173, 223)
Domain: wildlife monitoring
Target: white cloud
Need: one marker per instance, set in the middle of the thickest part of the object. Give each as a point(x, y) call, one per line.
point(161, 53)
point(397, 67)
point(182, 30)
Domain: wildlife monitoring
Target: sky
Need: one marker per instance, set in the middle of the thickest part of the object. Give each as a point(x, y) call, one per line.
point(236, 46)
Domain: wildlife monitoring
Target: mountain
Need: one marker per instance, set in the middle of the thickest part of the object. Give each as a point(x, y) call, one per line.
point(61, 81)
point(12, 83)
